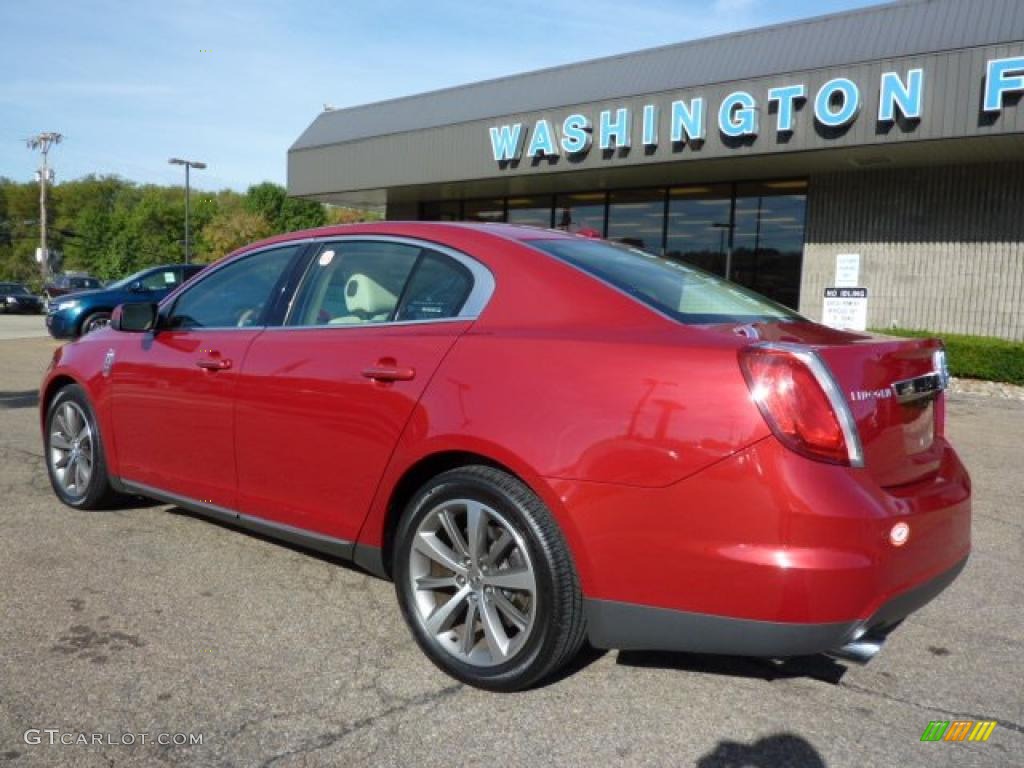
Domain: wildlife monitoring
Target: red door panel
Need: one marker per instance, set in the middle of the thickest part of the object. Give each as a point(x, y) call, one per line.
point(172, 410)
point(319, 411)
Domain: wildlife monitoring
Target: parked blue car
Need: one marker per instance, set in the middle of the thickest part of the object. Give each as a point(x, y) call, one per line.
point(75, 314)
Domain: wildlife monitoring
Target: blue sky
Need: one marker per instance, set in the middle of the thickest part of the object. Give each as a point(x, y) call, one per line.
point(131, 84)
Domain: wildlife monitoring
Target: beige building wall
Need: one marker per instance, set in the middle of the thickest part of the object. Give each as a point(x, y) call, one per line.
point(942, 248)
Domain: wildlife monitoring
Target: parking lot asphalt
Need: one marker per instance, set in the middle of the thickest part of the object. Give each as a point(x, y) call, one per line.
point(151, 620)
point(23, 327)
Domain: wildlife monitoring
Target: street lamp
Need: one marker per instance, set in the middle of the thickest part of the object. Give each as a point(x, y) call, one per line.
point(189, 164)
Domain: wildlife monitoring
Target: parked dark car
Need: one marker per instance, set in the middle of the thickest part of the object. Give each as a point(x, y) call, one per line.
point(61, 285)
point(75, 314)
point(15, 297)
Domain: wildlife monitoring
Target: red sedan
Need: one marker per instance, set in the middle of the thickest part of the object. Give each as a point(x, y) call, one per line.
point(541, 438)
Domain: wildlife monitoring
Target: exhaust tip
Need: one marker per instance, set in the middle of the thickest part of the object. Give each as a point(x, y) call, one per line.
point(864, 646)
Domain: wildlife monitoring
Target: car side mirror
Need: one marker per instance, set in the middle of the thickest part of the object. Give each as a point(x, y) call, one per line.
point(134, 318)
point(136, 287)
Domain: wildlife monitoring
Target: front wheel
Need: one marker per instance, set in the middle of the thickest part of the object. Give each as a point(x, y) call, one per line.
point(74, 451)
point(485, 581)
point(95, 321)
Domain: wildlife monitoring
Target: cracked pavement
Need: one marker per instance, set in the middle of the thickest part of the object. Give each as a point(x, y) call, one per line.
point(153, 620)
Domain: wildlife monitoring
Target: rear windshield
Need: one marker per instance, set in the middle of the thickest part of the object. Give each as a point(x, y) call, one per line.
point(684, 293)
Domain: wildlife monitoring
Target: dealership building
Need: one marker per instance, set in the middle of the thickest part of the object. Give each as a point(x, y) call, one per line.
point(887, 143)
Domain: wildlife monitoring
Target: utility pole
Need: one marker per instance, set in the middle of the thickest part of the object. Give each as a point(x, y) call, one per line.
point(43, 142)
point(188, 165)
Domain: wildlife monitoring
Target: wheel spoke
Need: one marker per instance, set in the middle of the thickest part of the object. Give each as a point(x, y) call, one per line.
point(81, 474)
point(510, 611)
point(74, 421)
point(63, 461)
point(494, 632)
point(518, 579)
point(429, 545)
point(62, 423)
point(476, 527)
point(454, 533)
point(435, 582)
point(444, 615)
point(60, 442)
point(469, 630)
point(500, 548)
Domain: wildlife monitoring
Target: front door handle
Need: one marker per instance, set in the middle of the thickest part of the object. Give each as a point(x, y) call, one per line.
point(214, 365)
point(386, 373)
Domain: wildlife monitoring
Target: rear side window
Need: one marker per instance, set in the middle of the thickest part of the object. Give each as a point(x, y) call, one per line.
point(357, 282)
point(437, 289)
point(684, 293)
point(354, 283)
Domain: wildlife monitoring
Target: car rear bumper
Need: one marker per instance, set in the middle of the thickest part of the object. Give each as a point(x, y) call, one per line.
point(629, 626)
point(769, 536)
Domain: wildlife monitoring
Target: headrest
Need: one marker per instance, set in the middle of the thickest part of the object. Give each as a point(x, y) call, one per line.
point(365, 295)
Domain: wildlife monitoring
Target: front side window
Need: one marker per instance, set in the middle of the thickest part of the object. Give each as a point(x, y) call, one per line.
point(235, 296)
point(684, 293)
point(363, 282)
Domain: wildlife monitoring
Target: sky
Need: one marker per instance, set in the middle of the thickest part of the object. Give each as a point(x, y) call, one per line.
point(131, 84)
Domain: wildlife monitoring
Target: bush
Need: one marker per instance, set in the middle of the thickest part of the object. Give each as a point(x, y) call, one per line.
point(976, 357)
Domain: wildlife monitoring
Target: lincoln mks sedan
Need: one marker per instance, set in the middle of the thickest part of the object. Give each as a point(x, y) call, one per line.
point(543, 439)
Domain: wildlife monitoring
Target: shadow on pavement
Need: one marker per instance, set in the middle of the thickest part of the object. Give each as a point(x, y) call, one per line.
point(820, 668)
point(775, 751)
point(26, 399)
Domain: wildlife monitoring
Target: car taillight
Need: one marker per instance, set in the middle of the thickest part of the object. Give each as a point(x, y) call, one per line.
point(789, 388)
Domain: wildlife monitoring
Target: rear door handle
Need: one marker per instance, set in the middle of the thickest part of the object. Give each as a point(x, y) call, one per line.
point(389, 373)
point(214, 365)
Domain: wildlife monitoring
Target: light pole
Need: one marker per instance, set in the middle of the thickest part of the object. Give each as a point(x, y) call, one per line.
point(43, 142)
point(189, 164)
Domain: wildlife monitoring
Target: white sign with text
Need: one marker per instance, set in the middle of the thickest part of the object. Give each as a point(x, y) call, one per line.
point(846, 308)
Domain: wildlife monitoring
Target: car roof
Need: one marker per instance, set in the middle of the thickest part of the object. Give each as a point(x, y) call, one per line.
point(421, 229)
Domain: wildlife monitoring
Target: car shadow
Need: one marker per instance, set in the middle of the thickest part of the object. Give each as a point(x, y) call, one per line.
point(28, 398)
point(339, 561)
point(820, 668)
point(776, 750)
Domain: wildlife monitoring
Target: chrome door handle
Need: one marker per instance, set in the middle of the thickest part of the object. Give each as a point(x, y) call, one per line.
point(387, 373)
point(214, 365)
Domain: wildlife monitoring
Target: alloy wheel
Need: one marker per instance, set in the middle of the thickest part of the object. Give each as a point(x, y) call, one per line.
point(71, 449)
point(473, 583)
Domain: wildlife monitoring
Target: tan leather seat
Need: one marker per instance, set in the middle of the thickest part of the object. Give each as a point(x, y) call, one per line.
point(367, 301)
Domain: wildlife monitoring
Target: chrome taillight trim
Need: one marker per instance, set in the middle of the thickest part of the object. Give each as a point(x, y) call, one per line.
point(823, 375)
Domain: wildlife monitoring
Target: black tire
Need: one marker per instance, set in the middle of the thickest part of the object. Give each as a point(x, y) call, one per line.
point(558, 629)
point(95, 321)
point(97, 493)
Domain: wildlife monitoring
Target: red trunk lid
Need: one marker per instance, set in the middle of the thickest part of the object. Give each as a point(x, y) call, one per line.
point(898, 425)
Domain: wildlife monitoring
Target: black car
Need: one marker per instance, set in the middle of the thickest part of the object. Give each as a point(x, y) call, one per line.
point(15, 297)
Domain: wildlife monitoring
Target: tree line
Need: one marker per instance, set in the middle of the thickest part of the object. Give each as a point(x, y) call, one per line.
point(110, 227)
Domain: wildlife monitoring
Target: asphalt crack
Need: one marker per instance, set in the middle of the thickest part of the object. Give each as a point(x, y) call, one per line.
point(1007, 724)
point(330, 738)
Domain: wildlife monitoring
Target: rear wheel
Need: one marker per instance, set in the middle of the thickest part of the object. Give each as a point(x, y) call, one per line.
point(485, 581)
point(74, 451)
point(95, 321)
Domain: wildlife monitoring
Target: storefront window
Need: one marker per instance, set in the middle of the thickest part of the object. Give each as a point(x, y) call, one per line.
point(699, 220)
point(534, 211)
point(585, 212)
point(769, 239)
point(637, 218)
point(447, 210)
point(484, 210)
